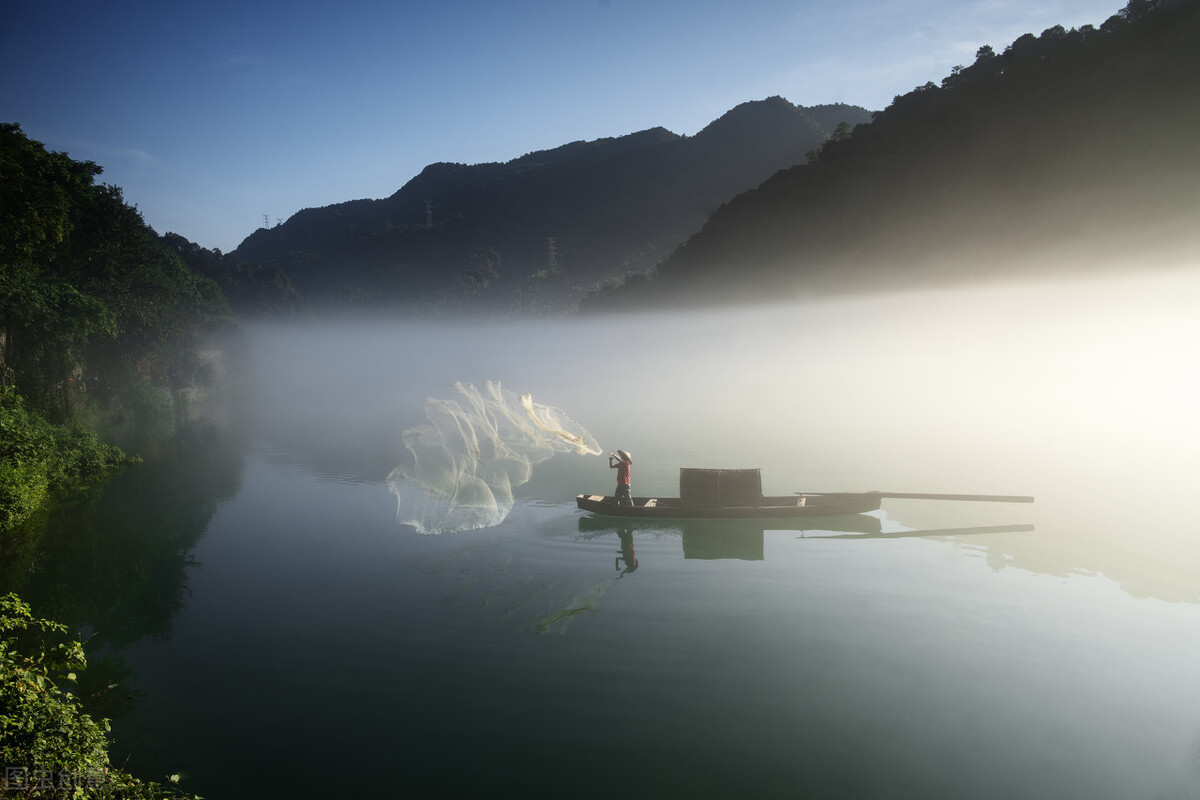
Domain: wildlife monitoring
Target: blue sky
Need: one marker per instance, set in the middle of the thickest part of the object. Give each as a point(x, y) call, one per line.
point(210, 115)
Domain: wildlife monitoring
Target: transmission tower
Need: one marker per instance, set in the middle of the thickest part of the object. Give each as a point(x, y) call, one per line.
point(551, 255)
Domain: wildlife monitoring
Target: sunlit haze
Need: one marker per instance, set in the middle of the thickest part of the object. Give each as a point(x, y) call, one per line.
point(1065, 391)
point(211, 116)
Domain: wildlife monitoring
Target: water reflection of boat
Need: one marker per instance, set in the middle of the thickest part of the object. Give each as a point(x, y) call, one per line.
point(905, 534)
point(743, 539)
point(727, 539)
point(701, 540)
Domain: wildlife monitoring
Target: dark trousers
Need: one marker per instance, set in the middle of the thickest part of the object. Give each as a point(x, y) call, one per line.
point(622, 496)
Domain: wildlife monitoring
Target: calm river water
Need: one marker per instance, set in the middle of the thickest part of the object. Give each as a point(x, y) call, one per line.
point(275, 632)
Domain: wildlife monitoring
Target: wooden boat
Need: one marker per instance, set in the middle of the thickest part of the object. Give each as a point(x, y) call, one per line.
point(736, 494)
point(598, 523)
point(802, 505)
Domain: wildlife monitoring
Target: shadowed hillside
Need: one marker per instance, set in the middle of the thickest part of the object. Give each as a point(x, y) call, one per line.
point(533, 233)
point(253, 291)
point(1072, 151)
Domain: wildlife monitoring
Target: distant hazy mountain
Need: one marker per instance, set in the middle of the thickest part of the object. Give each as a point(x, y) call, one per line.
point(536, 232)
point(1073, 151)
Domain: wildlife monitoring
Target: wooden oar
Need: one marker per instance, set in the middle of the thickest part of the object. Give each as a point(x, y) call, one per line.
point(985, 498)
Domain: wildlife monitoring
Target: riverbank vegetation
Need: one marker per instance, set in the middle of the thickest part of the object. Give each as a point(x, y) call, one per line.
point(38, 458)
point(99, 319)
point(49, 745)
point(103, 329)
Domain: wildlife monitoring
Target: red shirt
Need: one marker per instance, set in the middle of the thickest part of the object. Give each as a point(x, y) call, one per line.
point(623, 472)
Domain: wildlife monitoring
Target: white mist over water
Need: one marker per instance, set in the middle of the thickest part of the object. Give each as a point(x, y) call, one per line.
point(1080, 393)
point(474, 451)
point(1055, 660)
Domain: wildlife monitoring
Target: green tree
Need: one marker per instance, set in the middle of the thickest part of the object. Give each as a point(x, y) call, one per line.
point(48, 744)
point(159, 306)
point(88, 288)
point(37, 458)
point(89, 296)
point(44, 320)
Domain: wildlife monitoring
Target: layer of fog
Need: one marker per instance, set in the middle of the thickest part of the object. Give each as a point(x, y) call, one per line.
point(1079, 392)
point(953, 371)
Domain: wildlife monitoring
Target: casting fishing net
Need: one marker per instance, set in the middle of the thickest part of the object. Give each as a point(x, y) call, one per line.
point(475, 450)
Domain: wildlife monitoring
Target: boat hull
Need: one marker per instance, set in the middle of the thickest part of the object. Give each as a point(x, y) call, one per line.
point(796, 506)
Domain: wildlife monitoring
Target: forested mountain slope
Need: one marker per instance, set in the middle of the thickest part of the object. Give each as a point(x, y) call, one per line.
point(1070, 151)
point(536, 231)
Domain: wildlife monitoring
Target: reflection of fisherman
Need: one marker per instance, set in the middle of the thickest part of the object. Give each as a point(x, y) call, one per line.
point(627, 554)
point(621, 462)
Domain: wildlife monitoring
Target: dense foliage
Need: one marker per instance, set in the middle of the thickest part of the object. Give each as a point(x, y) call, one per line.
point(90, 297)
point(533, 233)
point(37, 458)
point(1066, 151)
point(95, 309)
point(49, 745)
point(253, 291)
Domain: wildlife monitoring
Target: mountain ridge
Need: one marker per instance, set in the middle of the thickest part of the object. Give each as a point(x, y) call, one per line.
point(480, 234)
point(1071, 152)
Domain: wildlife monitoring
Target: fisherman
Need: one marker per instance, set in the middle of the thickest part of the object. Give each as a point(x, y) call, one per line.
point(621, 461)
